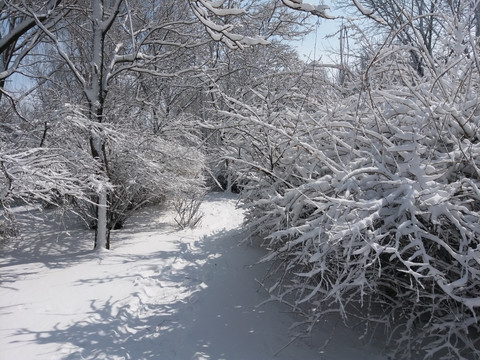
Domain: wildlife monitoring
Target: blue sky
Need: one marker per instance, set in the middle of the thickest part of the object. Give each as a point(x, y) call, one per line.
point(316, 46)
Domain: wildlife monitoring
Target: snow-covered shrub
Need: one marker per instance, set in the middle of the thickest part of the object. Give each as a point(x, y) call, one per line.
point(142, 168)
point(187, 206)
point(259, 122)
point(154, 171)
point(150, 172)
point(38, 167)
point(372, 208)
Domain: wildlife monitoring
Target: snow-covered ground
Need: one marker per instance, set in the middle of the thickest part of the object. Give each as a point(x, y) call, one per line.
point(160, 293)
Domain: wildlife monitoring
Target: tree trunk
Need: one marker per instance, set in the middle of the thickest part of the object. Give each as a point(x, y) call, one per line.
point(102, 236)
point(477, 21)
point(96, 95)
point(101, 231)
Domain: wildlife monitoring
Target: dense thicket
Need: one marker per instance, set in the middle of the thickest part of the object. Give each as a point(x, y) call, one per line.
point(367, 195)
point(121, 88)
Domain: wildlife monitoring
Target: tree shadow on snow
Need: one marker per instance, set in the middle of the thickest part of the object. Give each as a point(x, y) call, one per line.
point(59, 239)
point(192, 303)
point(49, 236)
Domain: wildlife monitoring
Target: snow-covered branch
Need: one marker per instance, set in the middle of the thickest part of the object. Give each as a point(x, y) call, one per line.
point(368, 13)
point(317, 10)
point(370, 199)
point(40, 174)
point(204, 10)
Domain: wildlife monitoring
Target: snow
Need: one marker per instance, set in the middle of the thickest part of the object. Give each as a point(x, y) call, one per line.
point(368, 13)
point(318, 10)
point(161, 293)
point(214, 7)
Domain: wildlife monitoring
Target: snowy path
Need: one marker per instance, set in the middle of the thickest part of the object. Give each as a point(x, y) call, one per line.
point(159, 294)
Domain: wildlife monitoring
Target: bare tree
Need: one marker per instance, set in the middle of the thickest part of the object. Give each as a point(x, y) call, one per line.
point(19, 32)
point(103, 43)
point(109, 40)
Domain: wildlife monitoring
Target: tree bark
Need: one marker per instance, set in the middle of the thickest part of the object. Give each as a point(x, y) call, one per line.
point(101, 232)
point(96, 94)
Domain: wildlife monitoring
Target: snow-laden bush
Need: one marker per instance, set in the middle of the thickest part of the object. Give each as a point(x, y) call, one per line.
point(258, 123)
point(48, 176)
point(142, 168)
point(153, 171)
point(372, 208)
point(150, 172)
point(187, 205)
